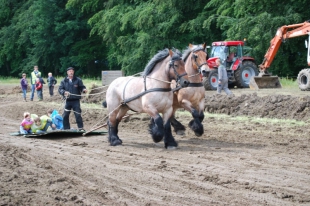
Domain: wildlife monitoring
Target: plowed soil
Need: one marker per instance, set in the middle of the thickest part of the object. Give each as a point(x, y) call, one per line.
point(255, 153)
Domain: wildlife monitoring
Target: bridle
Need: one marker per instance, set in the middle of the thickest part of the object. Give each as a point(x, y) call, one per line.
point(194, 56)
point(178, 76)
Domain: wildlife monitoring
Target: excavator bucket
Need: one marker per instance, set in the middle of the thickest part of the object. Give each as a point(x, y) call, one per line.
point(265, 82)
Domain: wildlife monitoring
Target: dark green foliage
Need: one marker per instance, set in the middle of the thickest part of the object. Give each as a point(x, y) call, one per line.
point(95, 35)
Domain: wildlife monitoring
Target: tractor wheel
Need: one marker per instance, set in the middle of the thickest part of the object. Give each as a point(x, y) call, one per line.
point(211, 81)
point(244, 74)
point(303, 80)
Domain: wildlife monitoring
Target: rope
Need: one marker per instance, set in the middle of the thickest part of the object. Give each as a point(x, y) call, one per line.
point(193, 75)
point(159, 80)
point(106, 116)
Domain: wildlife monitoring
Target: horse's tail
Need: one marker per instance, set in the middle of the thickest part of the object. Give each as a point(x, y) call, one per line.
point(156, 129)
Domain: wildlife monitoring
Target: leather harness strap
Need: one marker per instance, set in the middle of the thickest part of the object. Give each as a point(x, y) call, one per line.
point(195, 84)
point(125, 101)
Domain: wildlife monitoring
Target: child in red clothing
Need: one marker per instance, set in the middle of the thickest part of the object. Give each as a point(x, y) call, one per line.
point(25, 126)
point(39, 89)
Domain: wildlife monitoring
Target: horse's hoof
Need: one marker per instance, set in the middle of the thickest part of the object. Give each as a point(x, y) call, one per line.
point(158, 144)
point(171, 145)
point(180, 132)
point(171, 148)
point(198, 134)
point(116, 142)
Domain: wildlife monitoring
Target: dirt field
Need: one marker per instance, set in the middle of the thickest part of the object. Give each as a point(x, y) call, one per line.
point(240, 160)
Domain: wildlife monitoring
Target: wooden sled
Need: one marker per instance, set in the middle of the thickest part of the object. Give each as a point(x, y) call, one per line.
point(60, 133)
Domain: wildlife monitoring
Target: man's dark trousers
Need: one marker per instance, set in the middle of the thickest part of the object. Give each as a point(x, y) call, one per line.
point(75, 105)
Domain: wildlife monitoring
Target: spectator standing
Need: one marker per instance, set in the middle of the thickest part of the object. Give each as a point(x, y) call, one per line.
point(33, 77)
point(51, 81)
point(42, 82)
point(222, 78)
point(24, 86)
point(71, 88)
point(39, 89)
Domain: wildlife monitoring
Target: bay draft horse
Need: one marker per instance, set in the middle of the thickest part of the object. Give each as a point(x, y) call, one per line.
point(151, 94)
point(192, 98)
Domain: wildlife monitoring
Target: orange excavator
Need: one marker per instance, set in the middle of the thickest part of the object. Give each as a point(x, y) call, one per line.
point(264, 79)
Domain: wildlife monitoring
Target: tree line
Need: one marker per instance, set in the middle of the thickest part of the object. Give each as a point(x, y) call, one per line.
point(95, 35)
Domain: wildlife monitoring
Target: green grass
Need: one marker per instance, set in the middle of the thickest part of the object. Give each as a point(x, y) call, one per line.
point(245, 119)
point(88, 82)
point(267, 121)
point(289, 83)
point(9, 80)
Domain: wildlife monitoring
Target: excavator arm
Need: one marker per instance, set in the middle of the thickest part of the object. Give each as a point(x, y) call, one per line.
point(264, 79)
point(283, 33)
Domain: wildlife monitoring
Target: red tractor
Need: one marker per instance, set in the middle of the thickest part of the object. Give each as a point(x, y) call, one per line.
point(234, 55)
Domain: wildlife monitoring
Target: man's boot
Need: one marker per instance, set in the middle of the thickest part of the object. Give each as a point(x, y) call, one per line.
point(25, 99)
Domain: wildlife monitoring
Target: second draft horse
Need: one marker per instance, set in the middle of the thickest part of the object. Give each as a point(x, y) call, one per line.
point(192, 98)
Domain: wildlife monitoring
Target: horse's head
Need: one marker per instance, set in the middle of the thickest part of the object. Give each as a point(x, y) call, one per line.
point(176, 64)
point(199, 59)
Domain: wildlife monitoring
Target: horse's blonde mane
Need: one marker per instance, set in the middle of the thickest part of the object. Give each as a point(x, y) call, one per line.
point(189, 50)
point(161, 55)
point(156, 58)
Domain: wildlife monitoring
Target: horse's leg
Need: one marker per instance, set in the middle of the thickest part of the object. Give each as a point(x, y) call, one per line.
point(195, 124)
point(113, 138)
point(179, 128)
point(169, 140)
point(156, 128)
point(198, 115)
point(114, 119)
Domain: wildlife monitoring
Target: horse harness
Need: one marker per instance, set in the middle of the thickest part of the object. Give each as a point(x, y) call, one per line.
point(179, 81)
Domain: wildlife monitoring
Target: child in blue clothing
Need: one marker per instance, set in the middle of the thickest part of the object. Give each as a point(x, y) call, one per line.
point(57, 119)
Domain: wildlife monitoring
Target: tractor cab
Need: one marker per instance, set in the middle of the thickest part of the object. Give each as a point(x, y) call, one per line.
point(239, 65)
point(229, 52)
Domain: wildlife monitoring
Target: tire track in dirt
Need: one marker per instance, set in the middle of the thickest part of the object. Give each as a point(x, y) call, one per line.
point(234, 162)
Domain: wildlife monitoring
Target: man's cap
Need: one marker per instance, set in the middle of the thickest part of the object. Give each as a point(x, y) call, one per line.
point(69, 68)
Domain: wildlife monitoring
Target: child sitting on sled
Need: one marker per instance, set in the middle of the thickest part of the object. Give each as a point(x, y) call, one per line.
point(57, 119)
point(41, 124)
point(25, 126)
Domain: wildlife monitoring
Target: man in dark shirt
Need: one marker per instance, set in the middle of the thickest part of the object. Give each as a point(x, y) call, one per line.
point(71, 88)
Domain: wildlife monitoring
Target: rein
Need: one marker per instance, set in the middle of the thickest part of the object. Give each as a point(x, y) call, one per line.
point(125, 101)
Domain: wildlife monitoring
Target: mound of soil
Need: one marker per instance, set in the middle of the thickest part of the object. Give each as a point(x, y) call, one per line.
point(274, 106)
